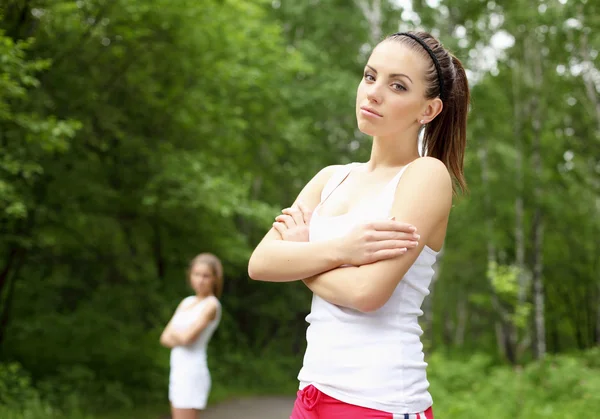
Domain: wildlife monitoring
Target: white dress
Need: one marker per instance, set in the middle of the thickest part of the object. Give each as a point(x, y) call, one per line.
point(189, 378)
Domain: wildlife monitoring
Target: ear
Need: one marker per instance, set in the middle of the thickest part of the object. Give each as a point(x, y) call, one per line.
point(432, 109)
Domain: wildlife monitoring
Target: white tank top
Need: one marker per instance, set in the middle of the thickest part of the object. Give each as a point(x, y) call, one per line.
point(372, 359)
point(194, 354)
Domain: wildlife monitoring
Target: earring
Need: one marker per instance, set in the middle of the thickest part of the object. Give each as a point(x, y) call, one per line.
point(422, 122)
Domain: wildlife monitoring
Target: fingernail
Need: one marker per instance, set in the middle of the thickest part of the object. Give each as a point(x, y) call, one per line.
point(417, 236)
point(403, 250)
point(392, 218)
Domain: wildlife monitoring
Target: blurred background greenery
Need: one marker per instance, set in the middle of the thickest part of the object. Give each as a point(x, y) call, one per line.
point(135, 134)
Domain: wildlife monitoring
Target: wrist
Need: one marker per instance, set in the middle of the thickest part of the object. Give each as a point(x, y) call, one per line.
point(336, 252)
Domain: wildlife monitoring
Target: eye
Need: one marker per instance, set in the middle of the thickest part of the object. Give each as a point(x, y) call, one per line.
point(398, 87)
point(369, 77)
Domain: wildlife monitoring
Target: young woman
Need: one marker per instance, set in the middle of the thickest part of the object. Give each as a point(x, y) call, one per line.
point(188, 334)
point(368, 272)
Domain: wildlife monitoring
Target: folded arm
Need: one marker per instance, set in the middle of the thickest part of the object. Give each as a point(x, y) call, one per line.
point(277, 260)
point(172, 337)
point(285, 254)
point(423, 199)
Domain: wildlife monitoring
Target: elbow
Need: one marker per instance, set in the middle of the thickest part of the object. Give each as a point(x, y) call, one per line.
point(253, 271)
point(165, 342)
point(367, 306)
point(256, 270)
point(368, 300)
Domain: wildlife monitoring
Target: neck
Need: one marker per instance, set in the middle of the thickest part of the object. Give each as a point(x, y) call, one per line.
point(393, 151)
point(203, 294)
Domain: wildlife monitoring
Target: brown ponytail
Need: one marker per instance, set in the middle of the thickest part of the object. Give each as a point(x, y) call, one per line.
point(445, 137)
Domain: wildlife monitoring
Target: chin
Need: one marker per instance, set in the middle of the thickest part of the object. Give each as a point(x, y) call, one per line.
point(367, 128)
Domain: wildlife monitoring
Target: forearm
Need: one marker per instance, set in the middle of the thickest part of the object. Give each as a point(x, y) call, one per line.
point(341, 287)
point(171, 338)
point(282, 261)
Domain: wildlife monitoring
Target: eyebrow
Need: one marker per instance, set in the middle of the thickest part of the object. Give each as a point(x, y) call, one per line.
point(392, 75)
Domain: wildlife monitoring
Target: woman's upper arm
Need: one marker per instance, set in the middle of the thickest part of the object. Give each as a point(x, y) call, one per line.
point(423, 199)
point(206, 315)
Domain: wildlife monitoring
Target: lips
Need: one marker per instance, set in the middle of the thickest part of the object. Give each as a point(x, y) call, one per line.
point(370, 111)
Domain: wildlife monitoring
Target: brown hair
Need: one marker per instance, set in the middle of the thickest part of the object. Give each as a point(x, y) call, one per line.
point(445, 137)
point(215, 265)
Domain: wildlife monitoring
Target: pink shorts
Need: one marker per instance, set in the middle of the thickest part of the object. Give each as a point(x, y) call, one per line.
point(312, 403)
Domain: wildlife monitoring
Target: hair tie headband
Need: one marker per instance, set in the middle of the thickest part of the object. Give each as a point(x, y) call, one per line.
point(438, 69)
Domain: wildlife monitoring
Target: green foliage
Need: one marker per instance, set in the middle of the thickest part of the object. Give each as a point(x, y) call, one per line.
point(26, 136)
point(15, 385)
point(565, 386)
point(136, 134)
point(505, 281)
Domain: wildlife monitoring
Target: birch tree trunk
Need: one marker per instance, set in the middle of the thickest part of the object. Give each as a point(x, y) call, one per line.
point(538, 221)
point(588, 70)
point(519, 236)
point(524, 281)
point(587, 75)
point(503, 329)
point(371, 10)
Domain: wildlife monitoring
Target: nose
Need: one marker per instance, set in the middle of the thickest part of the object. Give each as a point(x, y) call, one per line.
point(373, 93)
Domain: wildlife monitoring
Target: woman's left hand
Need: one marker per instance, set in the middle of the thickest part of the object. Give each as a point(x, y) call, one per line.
point(293, 223)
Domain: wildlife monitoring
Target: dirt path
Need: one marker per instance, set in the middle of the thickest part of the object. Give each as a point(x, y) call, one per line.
point(252, 408)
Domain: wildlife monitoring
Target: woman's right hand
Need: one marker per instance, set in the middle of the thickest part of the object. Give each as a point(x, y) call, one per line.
point(377, 240)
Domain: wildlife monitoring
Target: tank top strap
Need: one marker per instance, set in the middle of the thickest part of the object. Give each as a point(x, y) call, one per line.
point(389, 193)
point(336, 180)
point(188, 301)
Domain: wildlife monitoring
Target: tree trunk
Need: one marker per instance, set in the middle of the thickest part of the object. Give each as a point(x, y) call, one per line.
point(5, 273)
point(9, 278)
point(523, 277)
point(157, 247)
point(461, 321)
point(587, 75)
point(598, 318)
point(538, 221)
point(372, 13)
point(538, 285)
point(519, 236)
point(503, 329)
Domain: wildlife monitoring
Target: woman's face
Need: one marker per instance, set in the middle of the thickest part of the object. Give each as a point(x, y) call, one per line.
point(391, 95)
point(202, 279)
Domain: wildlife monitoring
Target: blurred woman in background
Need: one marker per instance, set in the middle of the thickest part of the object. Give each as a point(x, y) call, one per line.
point(188, 333)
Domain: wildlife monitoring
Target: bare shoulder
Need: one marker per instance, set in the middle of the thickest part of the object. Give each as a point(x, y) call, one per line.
point(187, 301)
point(426, 187)
point(213, 302)
point(431, 173)
point(325, 173)
point(211, 307)
point(430, 168)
